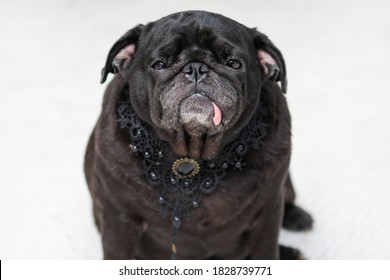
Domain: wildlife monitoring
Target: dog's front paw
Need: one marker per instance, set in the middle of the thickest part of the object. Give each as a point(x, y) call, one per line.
point(288, 253)
point(297, 219)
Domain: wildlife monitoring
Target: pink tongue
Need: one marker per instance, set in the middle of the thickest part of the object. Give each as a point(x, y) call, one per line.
point(217, 114)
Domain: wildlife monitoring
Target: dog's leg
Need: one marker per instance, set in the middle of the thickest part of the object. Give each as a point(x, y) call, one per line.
point(96, 217)
point(295, 218)
point(264, 236)
point(120, 235)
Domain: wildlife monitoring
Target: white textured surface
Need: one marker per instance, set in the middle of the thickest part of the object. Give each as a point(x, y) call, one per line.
point(337, 55)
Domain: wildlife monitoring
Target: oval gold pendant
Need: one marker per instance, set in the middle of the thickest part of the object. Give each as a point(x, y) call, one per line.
point(185, 168)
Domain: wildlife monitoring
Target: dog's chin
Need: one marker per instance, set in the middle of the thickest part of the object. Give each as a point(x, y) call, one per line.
point(199, 126)
point(201, 120)
point(199, 115)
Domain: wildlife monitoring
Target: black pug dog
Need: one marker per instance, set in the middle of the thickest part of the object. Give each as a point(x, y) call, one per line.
point(189, 158)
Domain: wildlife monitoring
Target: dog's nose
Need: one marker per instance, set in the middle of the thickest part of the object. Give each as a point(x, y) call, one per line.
point(196, 71)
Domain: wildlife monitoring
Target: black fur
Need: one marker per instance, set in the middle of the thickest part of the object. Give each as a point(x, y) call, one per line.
point(242, 222)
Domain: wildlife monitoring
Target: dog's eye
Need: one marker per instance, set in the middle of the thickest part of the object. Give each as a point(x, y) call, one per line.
point(234, 64)
point(159, 65)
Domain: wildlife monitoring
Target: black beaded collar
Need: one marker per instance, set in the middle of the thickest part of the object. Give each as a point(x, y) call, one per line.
point(180, 183)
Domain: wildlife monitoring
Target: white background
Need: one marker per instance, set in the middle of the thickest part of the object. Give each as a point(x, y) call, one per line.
point(51, 53)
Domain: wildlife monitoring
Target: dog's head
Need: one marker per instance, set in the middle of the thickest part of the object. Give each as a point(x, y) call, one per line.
point(196, 77)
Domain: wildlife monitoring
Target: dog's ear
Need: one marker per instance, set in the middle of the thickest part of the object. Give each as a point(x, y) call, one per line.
point(121, 52)
point(270, 59)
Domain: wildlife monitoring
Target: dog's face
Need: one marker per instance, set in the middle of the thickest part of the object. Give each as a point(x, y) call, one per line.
point(196, 77)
